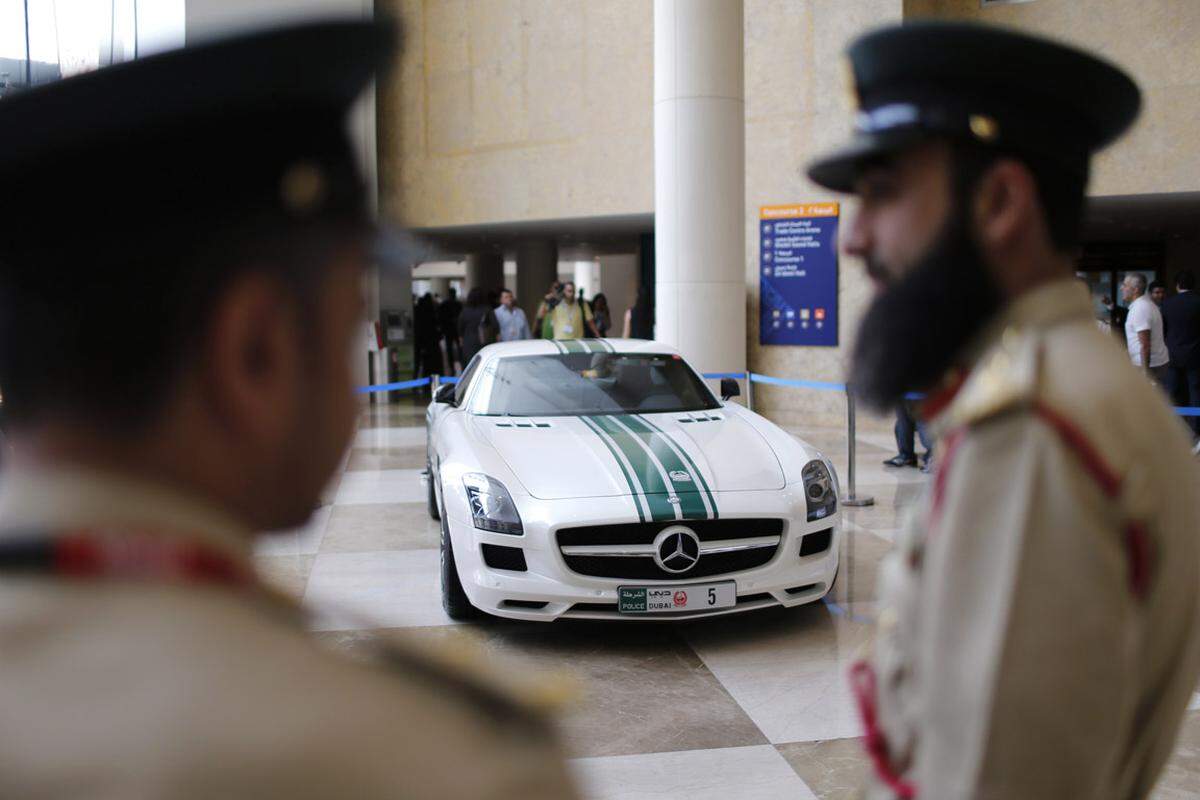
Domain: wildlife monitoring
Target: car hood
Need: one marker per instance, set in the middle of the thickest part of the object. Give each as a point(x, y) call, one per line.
point(689, 456)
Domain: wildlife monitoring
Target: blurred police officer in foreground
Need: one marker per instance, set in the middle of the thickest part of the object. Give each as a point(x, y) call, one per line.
point(1038, 624)
point(182, 242)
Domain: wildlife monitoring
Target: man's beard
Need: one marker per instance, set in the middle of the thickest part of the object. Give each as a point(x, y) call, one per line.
point(916, 327)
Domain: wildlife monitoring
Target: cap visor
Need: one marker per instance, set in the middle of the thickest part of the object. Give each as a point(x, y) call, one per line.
point(840, 169)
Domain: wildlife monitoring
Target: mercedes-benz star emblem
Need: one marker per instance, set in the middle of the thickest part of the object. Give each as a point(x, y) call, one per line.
point(676, 549)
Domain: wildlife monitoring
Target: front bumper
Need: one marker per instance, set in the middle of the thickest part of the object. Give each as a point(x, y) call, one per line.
point(548, 589)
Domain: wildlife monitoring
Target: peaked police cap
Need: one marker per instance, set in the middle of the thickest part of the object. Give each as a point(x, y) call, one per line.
point(1015, 92)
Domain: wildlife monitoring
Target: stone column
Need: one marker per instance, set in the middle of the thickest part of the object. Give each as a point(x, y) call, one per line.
point(537, 268)
point(699, 181)
point(485, 270)
point(587, 278)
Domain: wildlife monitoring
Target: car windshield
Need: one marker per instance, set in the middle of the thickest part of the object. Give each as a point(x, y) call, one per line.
point(572, 384)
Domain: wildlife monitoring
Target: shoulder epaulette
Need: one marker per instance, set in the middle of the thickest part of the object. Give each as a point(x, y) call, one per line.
point(1006, 377)
point(506, 695)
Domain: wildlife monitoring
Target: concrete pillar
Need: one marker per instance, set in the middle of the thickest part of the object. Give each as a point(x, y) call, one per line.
point(537, 268)
point(699, 181)
point(485, 270)
point(587, 278)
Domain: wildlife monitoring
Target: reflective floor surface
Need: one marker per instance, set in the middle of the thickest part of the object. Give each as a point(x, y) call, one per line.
point(750, 706)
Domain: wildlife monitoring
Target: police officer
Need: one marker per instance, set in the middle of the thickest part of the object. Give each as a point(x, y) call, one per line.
point(182, 242)
point(1038, 633)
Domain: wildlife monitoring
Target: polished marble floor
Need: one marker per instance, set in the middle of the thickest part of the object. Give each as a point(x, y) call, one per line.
point(750, 706)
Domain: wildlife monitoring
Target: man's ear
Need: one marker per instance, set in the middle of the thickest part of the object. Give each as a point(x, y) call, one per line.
point(1006, 205)
point(252, 359)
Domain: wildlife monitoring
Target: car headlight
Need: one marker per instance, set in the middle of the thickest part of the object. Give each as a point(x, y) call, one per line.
point(820, 492)
point(492, 507)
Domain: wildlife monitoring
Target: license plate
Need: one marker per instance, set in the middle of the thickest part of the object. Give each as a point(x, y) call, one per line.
point(691, 597)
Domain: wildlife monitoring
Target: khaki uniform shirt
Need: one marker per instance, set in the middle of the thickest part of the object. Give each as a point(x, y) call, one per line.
point(569, 320)
point(1038, 631)
point(149, 689)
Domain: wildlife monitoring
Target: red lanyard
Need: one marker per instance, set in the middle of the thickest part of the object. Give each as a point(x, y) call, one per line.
point(97, 555)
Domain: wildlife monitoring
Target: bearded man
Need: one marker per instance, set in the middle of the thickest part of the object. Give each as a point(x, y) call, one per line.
point(1038, 628)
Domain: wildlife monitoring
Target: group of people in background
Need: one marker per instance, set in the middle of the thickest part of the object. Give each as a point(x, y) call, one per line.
point(1162, 334)
point(448, 333)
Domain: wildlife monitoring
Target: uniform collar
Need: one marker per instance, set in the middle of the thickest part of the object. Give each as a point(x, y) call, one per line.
point(995, 352)
point(1049, 305)
point(63, 498)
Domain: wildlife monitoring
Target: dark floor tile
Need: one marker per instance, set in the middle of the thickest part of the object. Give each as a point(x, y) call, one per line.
point(640, 688)
point(835, 769)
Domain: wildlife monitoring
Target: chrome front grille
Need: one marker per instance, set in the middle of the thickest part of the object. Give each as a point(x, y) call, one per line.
point(627, 551)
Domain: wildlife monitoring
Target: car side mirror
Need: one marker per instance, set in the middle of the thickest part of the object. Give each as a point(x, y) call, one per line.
point(730, 388)
point(445, 394)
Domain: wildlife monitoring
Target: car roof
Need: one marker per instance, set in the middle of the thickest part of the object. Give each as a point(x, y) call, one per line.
point(532, 347)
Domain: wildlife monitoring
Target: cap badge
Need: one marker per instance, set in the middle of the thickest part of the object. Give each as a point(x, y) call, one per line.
point(302, 187)
point(984, 127)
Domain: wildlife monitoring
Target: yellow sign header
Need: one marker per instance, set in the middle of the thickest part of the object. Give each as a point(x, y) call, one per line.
point(801, 210)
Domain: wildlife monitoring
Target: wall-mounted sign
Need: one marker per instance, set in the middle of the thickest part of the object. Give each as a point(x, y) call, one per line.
point(798, 274)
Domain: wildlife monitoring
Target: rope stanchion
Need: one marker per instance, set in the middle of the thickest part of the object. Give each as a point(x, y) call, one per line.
point(852, 499)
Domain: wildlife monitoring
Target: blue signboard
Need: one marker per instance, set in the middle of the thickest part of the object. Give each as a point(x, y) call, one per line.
point(798, 282)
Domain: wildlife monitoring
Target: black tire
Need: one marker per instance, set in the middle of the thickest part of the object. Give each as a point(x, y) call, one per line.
point(431, 500)
point(454, 599)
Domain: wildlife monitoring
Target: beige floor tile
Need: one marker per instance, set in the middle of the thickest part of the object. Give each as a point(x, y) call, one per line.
point(374, 458)
point(858, 576)
point(381, 486)
point(787, 669)
point(1181, 777)
point(288, 573)
point(411, 438)
point(386, 589)
point(892, 502)
point(387, 526)
point(744, 773)
point(834, 770)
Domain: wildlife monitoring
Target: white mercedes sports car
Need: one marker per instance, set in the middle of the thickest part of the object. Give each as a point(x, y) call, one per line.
point(603, 479)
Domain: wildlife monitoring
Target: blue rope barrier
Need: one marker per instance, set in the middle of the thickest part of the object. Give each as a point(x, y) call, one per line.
point(821, 385)
point(393, 387)
point(841, 387)
point(753, 376)
point(843, 612)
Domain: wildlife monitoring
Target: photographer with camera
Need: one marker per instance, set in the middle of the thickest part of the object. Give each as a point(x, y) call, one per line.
point(541, 323)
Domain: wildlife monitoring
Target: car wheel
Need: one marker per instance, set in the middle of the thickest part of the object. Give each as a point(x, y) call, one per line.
point(431, 500)
point(454, 599)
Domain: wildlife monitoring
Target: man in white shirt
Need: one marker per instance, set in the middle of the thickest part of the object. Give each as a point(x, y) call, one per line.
point(1144, 329)
point(513, 324)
